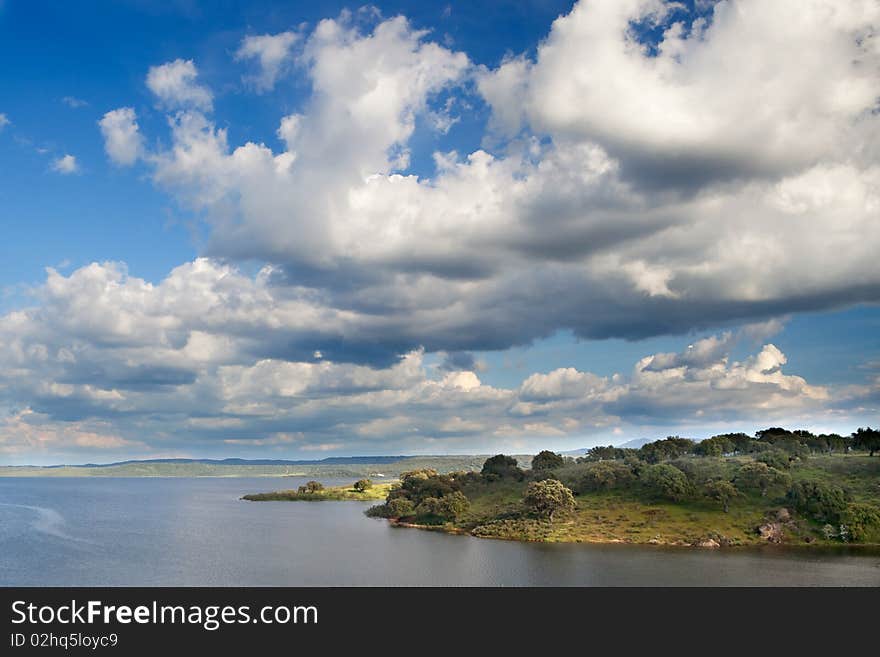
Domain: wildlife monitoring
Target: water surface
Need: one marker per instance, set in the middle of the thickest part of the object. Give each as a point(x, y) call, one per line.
point(189, 532)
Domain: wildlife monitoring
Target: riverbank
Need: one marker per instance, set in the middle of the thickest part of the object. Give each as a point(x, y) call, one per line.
point(818, 501)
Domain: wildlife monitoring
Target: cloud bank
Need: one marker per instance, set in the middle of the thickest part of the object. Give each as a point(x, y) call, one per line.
point(649, 171)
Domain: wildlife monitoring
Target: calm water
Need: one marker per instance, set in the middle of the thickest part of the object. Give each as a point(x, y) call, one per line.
point(155, 532)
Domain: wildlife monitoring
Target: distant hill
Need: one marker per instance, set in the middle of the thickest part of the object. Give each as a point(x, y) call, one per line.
point(635, 443)
point(331, 460)
point(335, 467)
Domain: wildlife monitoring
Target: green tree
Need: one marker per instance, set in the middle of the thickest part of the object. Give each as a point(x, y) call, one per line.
point(824, 502)
point(721, 490)
point(774, 458)
point(605, 475)
point(446, 508)
point(609, 453)
point(547, 460)
point(861, 519)
point(867, 439)
point(760, 476)
point(501, 466)
point(548, 497)
point(311, 487)
point(399, 507)
point(668, 448)
point(361, 485)
point(666, 481)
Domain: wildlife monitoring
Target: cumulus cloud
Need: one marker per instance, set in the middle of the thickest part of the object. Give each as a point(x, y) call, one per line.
point(123, 141)
point(201, 360)
point(558, 234)
point(273, 53)
point(748, 89)
point(650, 172)
point(65, 165)
point(175, 86)
point(4, 121)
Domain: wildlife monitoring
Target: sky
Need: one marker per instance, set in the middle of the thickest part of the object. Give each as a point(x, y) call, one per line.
point(299, 230)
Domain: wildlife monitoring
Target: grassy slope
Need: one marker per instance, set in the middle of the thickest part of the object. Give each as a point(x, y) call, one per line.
point(631, 516)
point(333, 493)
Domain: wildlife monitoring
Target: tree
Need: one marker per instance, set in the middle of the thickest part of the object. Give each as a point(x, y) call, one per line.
point(399, 508)
point(446, 508)
point(775, 458)
point(666, 481)
point(548, 497)
point(861, 520)
point(721, 490)
point(609, 453)
point(668, 448)
point(824, 502)
point(500, 466)
point(605, 475)
point(867, 439)
point(311, 487)
point(760, 476)
point(547, 460)
point(361, 485)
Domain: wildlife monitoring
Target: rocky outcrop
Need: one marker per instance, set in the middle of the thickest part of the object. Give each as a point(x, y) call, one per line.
point(772, 532)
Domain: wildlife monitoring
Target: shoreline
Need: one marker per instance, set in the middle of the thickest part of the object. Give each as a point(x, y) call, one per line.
point(757, 545)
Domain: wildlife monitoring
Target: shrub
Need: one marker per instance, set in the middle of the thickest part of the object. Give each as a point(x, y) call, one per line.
point(721, 490)
point(446, 508)
point(760, 476)
point(311, 487)
point(605, 475)
point(362, 485)
point(547, 460)
point(546, 498)
point(862, 520)
point(823, 502)
point(666, 481)
point(774, 458)
point(500, 466)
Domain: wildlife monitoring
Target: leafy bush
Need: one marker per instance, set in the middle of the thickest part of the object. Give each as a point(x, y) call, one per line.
point(445, 509)
point(775, 458)
point(548, 497)
point(721, 490)
point(311, 487)
point(761, 477)
point(666, 481)
point(501, 466)
point(862, 520)
point(605, 475)
point(547, 460)
point(668, 448)
point(824, 502)
point(362, 485)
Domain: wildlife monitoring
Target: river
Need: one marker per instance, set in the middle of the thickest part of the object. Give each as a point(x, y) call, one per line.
point(197, 532)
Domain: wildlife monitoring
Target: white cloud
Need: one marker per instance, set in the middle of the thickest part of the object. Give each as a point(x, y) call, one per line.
point(204, 358)
point(273, 52)
point(74, 103)
point(716, 182)
point(759, 89)
point(4, 121)
point(175, 86)
point(122, 139)
point(65, 165)
point(561, 225)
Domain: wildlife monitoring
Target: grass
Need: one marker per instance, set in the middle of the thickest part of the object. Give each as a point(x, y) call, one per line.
point(632, 515)
point(332, 493)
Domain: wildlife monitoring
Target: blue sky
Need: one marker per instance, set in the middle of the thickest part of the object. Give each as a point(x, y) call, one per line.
point(484, 230)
